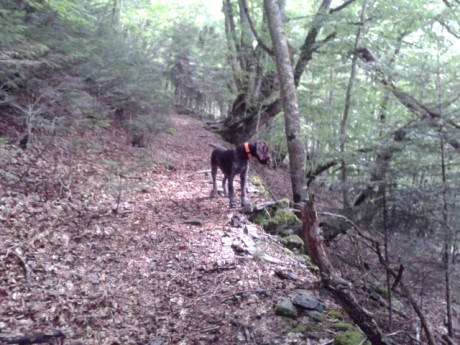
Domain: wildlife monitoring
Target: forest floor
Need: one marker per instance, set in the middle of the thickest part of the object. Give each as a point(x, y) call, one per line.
point(111, 244)
point(95, 242)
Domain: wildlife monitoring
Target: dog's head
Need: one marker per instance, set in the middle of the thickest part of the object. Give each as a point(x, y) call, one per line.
point(261, 151)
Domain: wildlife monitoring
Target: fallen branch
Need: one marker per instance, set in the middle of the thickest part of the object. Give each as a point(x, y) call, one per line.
point(39, 338)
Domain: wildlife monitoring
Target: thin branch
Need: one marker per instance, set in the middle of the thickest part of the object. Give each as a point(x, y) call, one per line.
point(341, 7)
point(268, 50)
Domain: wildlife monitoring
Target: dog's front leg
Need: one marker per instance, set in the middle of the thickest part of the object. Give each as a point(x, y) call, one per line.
point(224, 185)
point(243, 187)
point(214, 184)
point(231, 194)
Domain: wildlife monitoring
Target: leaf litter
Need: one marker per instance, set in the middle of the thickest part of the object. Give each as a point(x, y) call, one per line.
point(110, 244)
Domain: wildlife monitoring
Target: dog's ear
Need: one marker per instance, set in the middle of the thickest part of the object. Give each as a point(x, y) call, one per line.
point(261, 148)
point(263, 151)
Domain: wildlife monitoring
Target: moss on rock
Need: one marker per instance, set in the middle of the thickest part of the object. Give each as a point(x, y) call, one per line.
point(349, 338)
point(293, 242)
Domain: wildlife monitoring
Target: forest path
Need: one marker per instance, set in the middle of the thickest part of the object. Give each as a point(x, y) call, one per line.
point(139, 275)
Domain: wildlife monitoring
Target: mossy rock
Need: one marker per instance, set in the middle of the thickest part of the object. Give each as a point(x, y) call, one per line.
point(282, 219)
point(260, 219)
point(293, 242)
point(349, 338)
point(285, 308)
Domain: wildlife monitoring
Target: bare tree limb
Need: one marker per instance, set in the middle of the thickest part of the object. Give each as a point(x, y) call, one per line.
point(341, 7)
point(268, 50)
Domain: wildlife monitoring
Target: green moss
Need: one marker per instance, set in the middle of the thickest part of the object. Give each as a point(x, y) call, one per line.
point(382, 291)
point(335, 314)
point(256, 181)
point(349, 338)
point(259, 218)
point(283, 203)
point(314, 327)
point(293, 242)
point(282, 219)
point(288, 322)
point(341, 326)
point(300, 329)
point(310, 265)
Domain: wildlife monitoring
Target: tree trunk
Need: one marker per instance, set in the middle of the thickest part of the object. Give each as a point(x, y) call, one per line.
point(297, 158)
point(259, 112)
point(340, 288)
point(346, 111)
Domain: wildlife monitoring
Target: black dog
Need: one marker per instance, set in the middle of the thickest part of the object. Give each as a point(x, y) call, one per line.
point(235, 161)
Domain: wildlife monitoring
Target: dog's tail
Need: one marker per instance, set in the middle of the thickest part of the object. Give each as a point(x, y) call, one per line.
point(217, 146)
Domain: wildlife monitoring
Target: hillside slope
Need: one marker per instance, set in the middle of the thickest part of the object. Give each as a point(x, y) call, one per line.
point(112, 244)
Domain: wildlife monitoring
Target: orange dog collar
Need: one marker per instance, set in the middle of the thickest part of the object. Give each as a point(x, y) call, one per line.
point(246, 148)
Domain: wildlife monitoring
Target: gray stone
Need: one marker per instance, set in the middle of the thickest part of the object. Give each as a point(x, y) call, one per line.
point(287, 232)
point(305, 300)
point(286, 308)
point(251, 230)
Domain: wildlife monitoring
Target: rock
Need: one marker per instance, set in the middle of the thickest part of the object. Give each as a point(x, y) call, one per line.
point(275, 217)
point(305, 300)
point(237, 221)
point(287, 275)
point(286, 308)
point(248, 241)
point(248, 208)
point(293, 242)
point(251, 230)
point(286, 232)
point(271, 259)
point(193, 222)
point(316, 316)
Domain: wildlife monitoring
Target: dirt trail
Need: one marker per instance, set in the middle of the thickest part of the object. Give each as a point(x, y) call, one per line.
point(141, 275)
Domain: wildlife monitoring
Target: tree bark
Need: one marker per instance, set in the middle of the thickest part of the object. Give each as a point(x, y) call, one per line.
point(297, 158)
point(346, 110)
point(340, 288)
point(259, 113)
